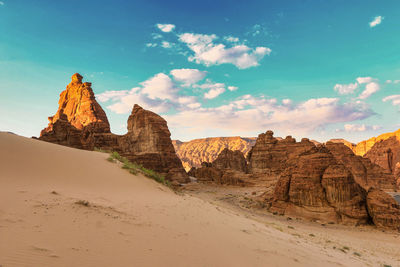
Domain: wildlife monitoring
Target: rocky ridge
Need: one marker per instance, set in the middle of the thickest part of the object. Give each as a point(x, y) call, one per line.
point(194, 152)
point(80, 122)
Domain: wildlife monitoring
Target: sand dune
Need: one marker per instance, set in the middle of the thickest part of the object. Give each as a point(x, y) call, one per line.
point(131, 220)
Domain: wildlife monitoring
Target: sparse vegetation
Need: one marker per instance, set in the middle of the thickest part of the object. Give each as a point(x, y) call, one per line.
point(290, 227)
point(312, 235)
point(135, 168)
point(101, 150)
point(347, 248)
point(357, 254)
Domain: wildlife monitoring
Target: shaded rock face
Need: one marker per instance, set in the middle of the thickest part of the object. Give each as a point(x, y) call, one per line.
point(229, 168)
point(194, 152)
point(270, 156)
point(364, 171)
point(233, 160)
point(384, 209)
point(80, 122)
point(317, 187)
point(386, 153)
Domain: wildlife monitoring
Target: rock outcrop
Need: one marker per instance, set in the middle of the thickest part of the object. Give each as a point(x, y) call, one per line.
point(79, 105)
point(364, 171)
point(317, 187)
point(232, 160)
point(364, 146)
point(80, 122)
point(383, 209)
point(269, 155)
point(194, 152)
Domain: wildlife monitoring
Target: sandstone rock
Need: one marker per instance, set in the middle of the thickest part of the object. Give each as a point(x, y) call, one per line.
point(365, 173)
point(383, 209)
point(78, 103)
point(80, 122)
point(270, 156)
point(386, 153)
point(194, 152)
point(364, 146)
point(316, 187)
point(232, 160)
point(148, 142)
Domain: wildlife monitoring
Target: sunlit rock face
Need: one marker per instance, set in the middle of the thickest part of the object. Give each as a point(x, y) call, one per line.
point(80, 122)
point(194, 152)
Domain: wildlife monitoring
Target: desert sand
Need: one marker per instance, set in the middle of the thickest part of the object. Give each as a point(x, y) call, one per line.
point(61, 206)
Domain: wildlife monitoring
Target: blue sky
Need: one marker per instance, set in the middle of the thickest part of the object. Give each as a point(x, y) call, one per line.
point(318, 69)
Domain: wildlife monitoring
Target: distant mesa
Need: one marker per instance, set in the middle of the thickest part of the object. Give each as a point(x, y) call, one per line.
point(80, 122)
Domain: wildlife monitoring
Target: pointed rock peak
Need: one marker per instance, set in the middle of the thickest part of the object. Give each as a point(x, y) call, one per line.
point(76, 78)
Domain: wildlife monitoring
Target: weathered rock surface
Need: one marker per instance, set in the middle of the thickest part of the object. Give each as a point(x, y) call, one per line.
point(194, 152)
point(78, 103)
point(365, 173)
point(232, 160)
point(269, 155)
point(80, 122)
point(383, 209)
point(316, 187)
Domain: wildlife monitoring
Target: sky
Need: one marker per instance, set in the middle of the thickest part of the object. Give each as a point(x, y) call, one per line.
point(316, 69)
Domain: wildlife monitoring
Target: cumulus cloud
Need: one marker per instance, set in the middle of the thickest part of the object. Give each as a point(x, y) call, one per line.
point(188, 76)
point(249, 114)
point(371, 86)
point(151, 45)
point(344, 89)
point(160, 86)
point(209, 53)
point(376, 21)
point(166, 27)
point(395, 99)
point(166, 44)
point(351, 128)
point(162, 93)
point(232, 88)
point(392, 81)
point(231, 39)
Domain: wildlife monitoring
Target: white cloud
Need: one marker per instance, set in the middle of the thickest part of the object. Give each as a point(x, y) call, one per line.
point(156, 36)
point(188, 76)
point(1, 3)
point(151, 45)
point(344, 89)
point(376, 21)
point(166, 27)
point(209, 53)
point(370, 88)
point(362, 80)
point(393, 81)
point(160, 86)
point(231, 39)
point(395, 99)
point(248, 115)
point(351, 128)
point(166, 44)
point(232, 88)
point(213, 93)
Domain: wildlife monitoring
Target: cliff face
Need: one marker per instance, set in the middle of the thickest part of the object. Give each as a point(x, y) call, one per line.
point(194, 152)
point(364, 146)
point(80, 122)
point(79, 105)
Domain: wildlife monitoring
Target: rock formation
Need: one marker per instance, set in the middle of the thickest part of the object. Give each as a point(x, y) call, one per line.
point(194, 152)
point(365, 173)
point(316, 187)
point(269, 155)
point(383, 209)
point(232, 160)
point(80, 122)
